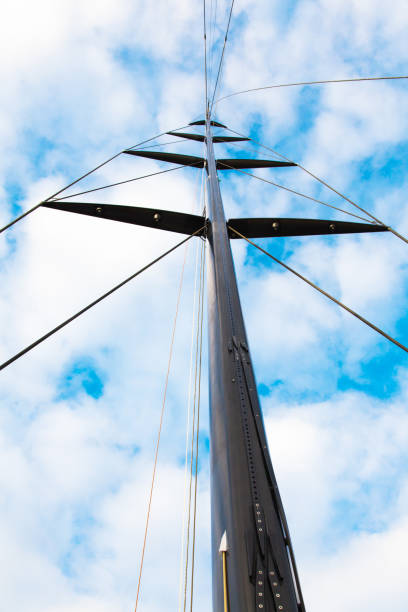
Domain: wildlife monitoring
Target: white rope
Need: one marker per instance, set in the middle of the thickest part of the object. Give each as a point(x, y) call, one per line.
point(188, 419)
point(197, 437)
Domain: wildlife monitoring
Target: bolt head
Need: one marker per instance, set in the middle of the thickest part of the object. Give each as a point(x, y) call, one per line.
point(275, 225)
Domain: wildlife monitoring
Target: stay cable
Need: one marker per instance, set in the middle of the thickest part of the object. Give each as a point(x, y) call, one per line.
point(333, 189)
point(104, 163)
point(156, 455)
point(89, 306)
point(304, 83)
point(333, 299)
point(222, 55)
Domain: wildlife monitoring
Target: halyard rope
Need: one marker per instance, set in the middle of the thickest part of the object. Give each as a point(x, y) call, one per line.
point(156, 455)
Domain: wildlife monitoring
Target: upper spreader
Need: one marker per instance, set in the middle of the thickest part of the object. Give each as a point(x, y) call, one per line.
point(174, 158)
point(199, 162)
point(201, 138)
point(202, 122)
point(237, 164)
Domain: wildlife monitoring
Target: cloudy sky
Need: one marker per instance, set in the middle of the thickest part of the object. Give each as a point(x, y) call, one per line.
point(81, 81)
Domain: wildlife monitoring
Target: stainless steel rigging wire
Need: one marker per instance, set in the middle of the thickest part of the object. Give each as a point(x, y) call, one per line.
point(156, 454)
point(192, 394)
point(200, 340)
point(187, 498)
point(51, 197)
point(333, 299)
point(137, 178)
point(99, 299)
point(195, 426)
point(212, 41)
point(298, 193)
point(322, 182)
point(302, 84)
point(222, 55)
point(205, 57)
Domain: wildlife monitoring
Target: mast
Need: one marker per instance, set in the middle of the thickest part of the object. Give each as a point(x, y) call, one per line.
point(245, 501)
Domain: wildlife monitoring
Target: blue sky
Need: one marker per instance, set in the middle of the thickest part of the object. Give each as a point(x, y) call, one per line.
point(81, 81)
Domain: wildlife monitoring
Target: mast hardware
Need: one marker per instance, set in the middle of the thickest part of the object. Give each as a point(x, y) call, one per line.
point(185, 223)
point(199, 162)
point(213, 123)
point(268, 228)
point(201, 138)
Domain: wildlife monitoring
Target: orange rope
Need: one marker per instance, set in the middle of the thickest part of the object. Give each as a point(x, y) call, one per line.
point(160, 428)
point(197, 428)
point(195, 413)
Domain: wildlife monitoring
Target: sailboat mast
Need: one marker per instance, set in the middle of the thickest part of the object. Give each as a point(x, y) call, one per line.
point(256, 563)
point(253, 562)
